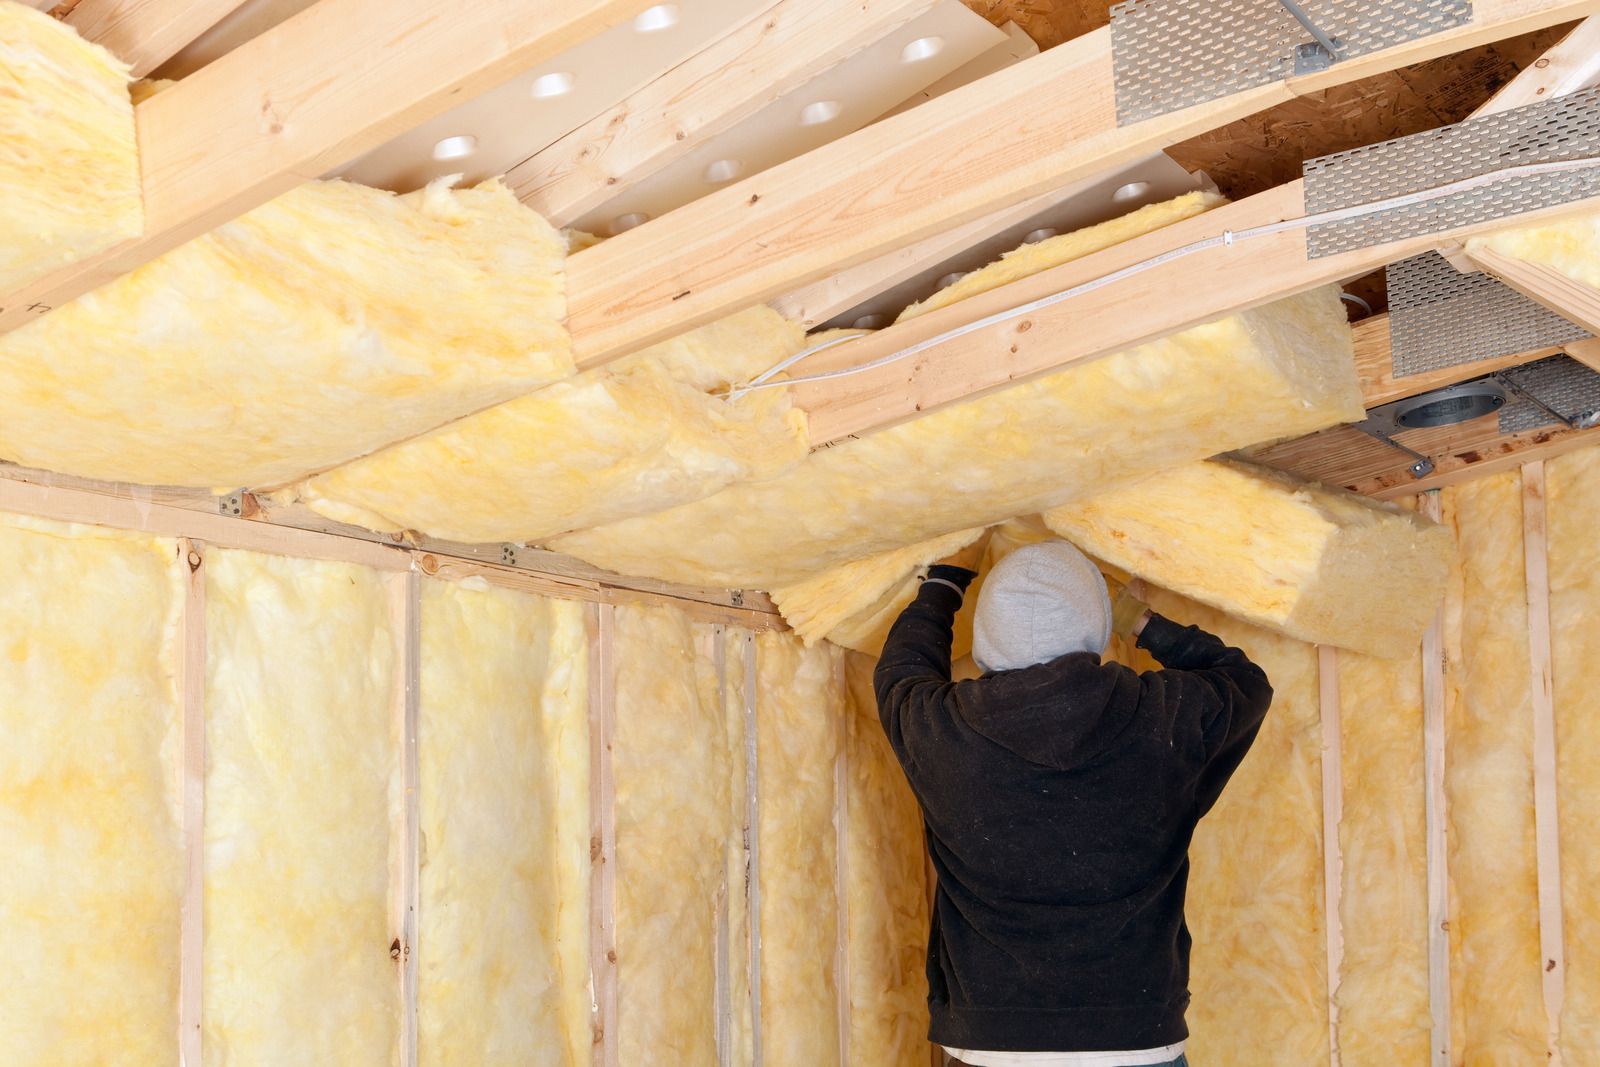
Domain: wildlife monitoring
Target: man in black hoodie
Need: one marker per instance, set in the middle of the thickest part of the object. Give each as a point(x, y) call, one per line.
point(1059, 795)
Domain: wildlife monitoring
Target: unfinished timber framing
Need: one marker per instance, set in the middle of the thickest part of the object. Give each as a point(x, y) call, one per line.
point(1545, 810)
point(601, 624)
point(405, 614)
point(1433, 739)
point(145, 33)
point(191, 966)
point(1332, 816)
point(752, 814)
point(841, 866)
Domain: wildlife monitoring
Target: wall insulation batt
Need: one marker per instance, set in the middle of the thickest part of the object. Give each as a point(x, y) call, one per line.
point(886, 896)
point(799, 719)
point(93, 853)
point(1497, 1010)
point(674, 818)
point(329, 322)
point(503, 921)
point(1283, 369)
point(1311, 562)
point(1259, 966)
point(636, 436)
point(68, 162)
point(301, 784)
point(1574, 515)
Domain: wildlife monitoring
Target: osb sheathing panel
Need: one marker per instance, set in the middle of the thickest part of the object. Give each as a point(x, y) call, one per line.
point(68, 163)
point(1259, 967)
point(637, 436)
point(1496, 1010)
point(799, 719)
point(503, 967)
point(674, 808)
point(1384, 1012)
point(1278, 370)
point(89, 807)
point(329, 322)
point(1574, 516)
point(301, 782)
point(1315, 563)
point(886, 894)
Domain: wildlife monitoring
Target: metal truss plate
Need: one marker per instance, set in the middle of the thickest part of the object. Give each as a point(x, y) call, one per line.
point(1172, 54)
point(1560, 383)
point(1567, 127)
point(1440, 317)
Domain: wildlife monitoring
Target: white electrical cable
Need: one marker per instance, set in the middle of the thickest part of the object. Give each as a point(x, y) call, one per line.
point(1228, 238)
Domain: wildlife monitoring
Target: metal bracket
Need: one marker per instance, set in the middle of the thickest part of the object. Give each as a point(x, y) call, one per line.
point(232, 504)
point(508, 554)
point(1421, 466)
point(1319, 53)
point(1558, 390)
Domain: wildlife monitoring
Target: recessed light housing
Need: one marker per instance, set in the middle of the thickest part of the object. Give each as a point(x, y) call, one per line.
point(818, 113)
point(655, 19)
point(623, 223)
point(723, 170)
point(922, 48)
point(546, 86)
point(1131, 191)
point(455, 148)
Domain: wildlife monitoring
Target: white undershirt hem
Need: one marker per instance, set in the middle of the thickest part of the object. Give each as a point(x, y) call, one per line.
point(1141, 1058)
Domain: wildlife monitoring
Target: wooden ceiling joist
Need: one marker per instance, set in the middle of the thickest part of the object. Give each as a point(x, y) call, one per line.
point(1160, 299)
point(147, 33)
point(781, 50)
point(336, 80)
point(1573, 64)
point(1013, 135)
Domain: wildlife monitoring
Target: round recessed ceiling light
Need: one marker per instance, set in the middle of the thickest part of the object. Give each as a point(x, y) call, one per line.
point(627, 222)
point(547, 85)
point(1450, 405)
point(655, 19)
point(455, 148)
point(871, 322)
point(922, 48)
point(723, 170)
point(1131, 191)
point(1042, 234)
point(818, 113)
point(949, 279)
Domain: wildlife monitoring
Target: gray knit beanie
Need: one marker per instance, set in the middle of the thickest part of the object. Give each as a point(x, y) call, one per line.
point(1038, 603)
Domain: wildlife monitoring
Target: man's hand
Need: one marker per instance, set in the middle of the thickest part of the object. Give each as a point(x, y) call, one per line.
point(1129, 613)
point(968, 558)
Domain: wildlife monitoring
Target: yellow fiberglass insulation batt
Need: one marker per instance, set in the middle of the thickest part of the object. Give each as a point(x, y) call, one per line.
point(68, 161)
point(674, 818)
point(503, 965)
point(1319, 564)
point(886, 890)
point(636, 436)
point(1567, 245)
point(327, 323)
point(799, 721)
point(1275, 371)
point(1384, 1012)
point(1259, 967)
point(89, 807)
point(1497, 1004)
point(302, 784)
point(1574, 513)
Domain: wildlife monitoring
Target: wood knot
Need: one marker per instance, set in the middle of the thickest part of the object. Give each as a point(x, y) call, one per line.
point(193, 560)
point(394, 950)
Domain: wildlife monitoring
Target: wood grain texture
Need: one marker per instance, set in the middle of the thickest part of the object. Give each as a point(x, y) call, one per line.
point(191, 557)
point(1570, 65)
point(1572, 300)
point(1433, 729)
point(1332, 816)
point(147, 33)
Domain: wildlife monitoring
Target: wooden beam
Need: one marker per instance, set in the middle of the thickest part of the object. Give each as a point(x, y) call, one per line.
point(1332, 818)
point(752, 836)
point(1573, 301)
point(1041, 124)
point(191, 936)
point(714, 90)
point(1547, 835)
point(1586, 352)
point(147, 33)
point(1163, 297)
point(1375, 365)
point(601, 621)
point(405, 615)
point(1571, 65)
point(1437, 819)
point(334, 81)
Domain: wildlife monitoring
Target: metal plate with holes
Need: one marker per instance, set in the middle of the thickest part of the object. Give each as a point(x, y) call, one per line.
point(1560, 383)
point(1565, 128)
point(1440, 317)
point(1172, 54)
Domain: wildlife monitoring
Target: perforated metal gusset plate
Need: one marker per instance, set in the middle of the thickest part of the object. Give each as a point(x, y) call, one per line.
point(1440, 317)
point(1567, 127)
point(1172, 54)
point(1560, 383)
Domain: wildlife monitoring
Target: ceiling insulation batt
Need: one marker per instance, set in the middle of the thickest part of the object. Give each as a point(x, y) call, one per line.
point(324, 324)
point(1570, 246)
point(68, 163)
point(639, 435)
point(1319, 564)
point(1283, 369)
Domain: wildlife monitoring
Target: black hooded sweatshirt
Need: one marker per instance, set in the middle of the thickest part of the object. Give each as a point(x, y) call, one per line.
point(1059, 802)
